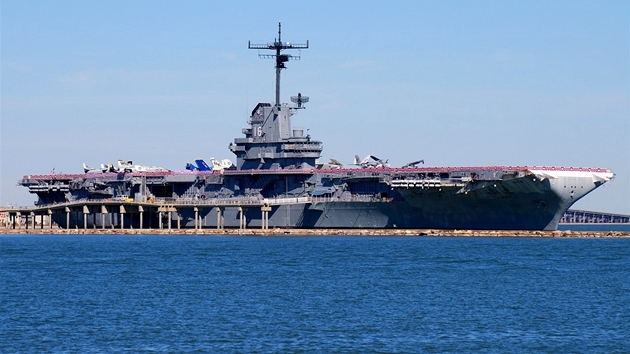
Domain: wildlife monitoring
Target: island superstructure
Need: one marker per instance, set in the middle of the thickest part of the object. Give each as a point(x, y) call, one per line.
point(278, 182)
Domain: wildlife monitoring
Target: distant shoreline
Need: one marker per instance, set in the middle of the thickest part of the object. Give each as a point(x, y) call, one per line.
point(325, 232)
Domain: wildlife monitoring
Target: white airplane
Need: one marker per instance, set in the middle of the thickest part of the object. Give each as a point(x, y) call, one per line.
point(224, 164)
point(333, 164)
point(88, 169)
point(110, 168)
point(130, 167)
point(370, 161)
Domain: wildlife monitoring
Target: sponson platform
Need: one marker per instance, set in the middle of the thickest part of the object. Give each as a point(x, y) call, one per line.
point(124, 214)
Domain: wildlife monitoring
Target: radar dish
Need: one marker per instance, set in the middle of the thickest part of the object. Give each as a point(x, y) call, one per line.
point(299, 99)
point(296, 99)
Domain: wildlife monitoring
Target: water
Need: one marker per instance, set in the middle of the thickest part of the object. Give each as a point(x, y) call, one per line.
point(313, 294)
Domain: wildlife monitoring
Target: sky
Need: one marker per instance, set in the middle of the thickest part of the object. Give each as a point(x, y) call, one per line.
point(454, 82)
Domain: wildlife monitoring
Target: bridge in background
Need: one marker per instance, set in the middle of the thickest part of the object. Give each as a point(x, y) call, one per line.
point(593, 217)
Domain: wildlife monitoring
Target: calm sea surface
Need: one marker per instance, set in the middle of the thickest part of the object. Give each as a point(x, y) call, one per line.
point(313, 294)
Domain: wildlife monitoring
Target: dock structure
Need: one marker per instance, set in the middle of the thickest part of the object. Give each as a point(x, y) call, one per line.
point(126, 214)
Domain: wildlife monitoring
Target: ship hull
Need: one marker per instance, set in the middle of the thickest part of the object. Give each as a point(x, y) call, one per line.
point(532, 201)
point(436, 214)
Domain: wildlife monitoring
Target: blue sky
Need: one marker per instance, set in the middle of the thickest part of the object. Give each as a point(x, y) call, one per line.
point(456, 83)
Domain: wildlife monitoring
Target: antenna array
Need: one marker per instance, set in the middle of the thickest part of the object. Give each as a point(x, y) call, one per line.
point(278, 46)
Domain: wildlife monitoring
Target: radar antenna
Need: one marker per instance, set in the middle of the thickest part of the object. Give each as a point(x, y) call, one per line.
point(279, 46)
point(299, 99)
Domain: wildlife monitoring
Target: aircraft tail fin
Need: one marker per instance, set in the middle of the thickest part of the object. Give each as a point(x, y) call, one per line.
point(202, 165)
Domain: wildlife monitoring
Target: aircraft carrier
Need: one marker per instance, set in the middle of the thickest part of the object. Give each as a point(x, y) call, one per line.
point(277, 181)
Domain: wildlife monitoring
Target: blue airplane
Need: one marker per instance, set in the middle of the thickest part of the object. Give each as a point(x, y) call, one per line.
point(200, 165)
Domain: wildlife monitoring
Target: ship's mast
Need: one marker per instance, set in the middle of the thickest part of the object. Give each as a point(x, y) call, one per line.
point(279, 46)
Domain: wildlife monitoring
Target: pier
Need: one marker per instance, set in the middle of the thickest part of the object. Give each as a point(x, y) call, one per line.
point(167, 214)
point(115, 212)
